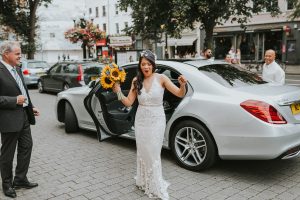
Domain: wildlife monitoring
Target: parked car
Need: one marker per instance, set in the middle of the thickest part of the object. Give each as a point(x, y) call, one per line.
point(227, 113)
point(33, 69)
point(68, 74)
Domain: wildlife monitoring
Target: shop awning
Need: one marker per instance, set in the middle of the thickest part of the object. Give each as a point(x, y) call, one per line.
point(120, 41)
point(184, 41)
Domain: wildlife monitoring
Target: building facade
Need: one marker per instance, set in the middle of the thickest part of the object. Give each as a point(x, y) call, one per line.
point(53, 22)
point(261, 33)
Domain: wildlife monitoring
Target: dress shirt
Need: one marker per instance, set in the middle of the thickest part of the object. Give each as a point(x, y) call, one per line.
point(273, 73)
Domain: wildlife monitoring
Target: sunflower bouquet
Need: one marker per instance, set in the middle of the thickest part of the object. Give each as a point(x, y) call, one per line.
point(111, 74)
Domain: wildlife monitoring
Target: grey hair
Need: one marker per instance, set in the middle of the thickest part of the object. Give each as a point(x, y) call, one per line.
point(8, 46)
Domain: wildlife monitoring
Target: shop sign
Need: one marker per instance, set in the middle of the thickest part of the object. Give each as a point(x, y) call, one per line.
point(120, 41)
point(101, 42)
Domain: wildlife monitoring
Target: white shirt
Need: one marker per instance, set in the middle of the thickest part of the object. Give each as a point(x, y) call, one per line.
point(273, 73)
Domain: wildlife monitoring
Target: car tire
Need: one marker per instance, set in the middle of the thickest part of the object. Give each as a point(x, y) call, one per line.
point(193, 146)
point(40, 86)
point(66, 86)
point(71, 124)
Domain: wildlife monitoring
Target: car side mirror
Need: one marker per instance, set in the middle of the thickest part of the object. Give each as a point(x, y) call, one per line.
point(92, 84)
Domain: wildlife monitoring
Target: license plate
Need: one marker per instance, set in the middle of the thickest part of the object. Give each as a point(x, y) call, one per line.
point(93, 78)
point(295, 108)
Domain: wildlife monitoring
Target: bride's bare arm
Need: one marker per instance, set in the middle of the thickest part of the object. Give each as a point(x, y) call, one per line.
point(129, 100)
point(169, 85)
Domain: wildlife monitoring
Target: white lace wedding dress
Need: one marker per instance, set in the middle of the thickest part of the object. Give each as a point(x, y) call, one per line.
point(150, 123)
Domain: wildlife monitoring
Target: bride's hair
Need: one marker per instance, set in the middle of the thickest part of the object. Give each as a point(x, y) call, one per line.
point(138, 84)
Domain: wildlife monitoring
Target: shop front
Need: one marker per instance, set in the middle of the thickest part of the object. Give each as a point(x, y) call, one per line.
point(255, 40)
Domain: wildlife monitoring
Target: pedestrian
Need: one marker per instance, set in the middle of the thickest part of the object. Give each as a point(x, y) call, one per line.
point(272, 72)
point(16, 114)
point(207, 53)
point(148, 87)
point(228, 58)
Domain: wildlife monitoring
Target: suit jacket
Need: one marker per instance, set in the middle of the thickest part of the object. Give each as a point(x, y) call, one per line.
point(12, 115)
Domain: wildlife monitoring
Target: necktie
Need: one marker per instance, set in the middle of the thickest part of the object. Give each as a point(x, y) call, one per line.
point(20, 84)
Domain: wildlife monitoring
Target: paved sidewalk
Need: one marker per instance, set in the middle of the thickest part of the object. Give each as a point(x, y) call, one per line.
point(292, 69)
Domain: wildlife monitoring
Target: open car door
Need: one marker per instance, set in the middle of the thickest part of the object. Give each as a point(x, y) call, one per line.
point(110, 116)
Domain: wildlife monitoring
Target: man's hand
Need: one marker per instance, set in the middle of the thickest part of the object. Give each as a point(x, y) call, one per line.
point(21, 99)
point(36, 112)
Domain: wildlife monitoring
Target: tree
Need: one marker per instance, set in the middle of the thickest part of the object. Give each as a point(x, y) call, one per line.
point(296, 13)
point(151, 18)
point(179, 14)
point(215, 12)
point(20, 15)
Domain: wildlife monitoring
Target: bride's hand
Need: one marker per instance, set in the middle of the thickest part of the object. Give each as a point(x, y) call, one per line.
point(182, 80)
point(116, 87)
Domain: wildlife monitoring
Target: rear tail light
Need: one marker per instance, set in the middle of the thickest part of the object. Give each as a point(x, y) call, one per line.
point(26, 72)
point(263, 111)
point(80, 73)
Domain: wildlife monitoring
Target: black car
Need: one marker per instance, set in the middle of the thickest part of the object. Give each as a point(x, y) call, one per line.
point(64, 75)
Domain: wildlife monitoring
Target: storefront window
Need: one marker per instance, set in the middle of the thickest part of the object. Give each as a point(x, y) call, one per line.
point(222, 46)
point(273, 40)
point(246, 44)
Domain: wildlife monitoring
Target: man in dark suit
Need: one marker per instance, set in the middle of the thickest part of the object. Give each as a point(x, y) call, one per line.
point(16, 115)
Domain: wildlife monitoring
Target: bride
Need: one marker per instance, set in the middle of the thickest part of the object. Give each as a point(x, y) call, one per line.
point(150, 122)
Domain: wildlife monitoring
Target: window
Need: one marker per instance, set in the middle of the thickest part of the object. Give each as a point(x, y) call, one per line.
point(231, 76)
point(103, 11)
point(117, 28)
point(104, 27)
point(290, 5)
point(272, 3)
point(117, 9)
point(90, 10)
point(126, 24)
point(97, 12)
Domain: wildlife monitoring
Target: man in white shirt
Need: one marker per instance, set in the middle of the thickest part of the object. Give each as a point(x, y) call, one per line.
point(272, 72)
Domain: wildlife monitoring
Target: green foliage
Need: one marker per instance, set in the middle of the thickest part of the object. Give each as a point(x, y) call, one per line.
point(21, 17)
point(179, 14)
point(296, 13)
point(151, 18)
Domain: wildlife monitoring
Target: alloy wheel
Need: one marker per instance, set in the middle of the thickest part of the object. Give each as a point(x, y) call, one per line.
point(190, 146)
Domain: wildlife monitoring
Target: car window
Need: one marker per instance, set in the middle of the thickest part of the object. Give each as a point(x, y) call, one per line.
point(168, 72)
point(231, 76)
point(92, 68)
point(70, 69)
point(130, 74)
point(55, 69)
point(37, 65)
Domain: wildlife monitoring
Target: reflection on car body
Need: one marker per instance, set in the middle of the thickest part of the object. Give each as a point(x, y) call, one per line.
point(227, 112)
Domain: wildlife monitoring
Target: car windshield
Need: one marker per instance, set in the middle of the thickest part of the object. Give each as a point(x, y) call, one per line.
point(38, 65)
point(231, 76)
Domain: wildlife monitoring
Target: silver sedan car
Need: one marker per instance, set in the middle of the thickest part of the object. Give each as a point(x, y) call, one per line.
point(227, 113)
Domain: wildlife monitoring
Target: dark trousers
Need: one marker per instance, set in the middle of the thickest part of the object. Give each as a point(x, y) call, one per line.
point(9, 142)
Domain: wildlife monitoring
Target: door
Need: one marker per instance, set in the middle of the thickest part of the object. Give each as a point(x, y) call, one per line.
point(48, 80)
point(111, 116)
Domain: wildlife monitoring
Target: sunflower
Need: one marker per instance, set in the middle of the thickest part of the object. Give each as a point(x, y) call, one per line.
point(106, 70)
point(106, 82)
point(115, 74)
point(122, 75)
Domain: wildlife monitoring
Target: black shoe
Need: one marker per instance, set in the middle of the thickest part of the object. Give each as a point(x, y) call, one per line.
point(24, 184)
point(10, 192)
